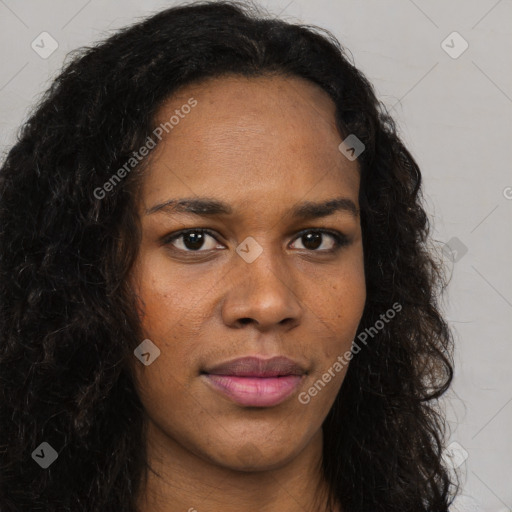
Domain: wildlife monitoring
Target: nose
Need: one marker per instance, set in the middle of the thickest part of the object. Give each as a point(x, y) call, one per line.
point(264, 294)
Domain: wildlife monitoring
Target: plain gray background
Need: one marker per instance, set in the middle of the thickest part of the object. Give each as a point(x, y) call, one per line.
point(453, 108)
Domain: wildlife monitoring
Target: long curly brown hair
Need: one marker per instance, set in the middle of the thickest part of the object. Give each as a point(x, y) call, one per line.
point(68, 321)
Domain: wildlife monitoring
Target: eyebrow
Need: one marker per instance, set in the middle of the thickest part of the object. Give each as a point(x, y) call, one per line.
point(204, 206)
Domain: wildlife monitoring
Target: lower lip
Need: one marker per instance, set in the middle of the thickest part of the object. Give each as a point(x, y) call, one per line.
point(255, 391)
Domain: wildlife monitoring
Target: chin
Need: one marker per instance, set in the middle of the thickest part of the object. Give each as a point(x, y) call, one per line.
point(250, 457)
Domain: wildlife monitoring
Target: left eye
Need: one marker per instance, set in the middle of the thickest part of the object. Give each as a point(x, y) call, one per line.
point(315, 238)
point(193, 239)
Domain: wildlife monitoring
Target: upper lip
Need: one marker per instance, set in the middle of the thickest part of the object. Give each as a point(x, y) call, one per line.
point(257, 367)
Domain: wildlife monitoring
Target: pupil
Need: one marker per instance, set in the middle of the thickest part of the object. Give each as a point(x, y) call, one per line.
point(314, 238)
point(193, 240)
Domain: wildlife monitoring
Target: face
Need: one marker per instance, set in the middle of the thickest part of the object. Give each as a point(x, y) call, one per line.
point(264, 274)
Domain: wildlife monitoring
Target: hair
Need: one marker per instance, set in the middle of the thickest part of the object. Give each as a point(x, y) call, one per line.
point(68, 317)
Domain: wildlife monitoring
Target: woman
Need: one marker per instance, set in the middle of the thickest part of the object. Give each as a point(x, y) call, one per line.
point(216, 287)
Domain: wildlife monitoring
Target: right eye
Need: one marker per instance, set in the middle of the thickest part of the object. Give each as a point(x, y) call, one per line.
point(191, 240)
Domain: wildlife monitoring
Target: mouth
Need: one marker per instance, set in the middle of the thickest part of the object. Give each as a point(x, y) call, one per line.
point(256, 382)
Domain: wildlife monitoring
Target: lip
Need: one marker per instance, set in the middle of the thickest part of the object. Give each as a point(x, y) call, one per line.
point(256, 382)
point(254, 366)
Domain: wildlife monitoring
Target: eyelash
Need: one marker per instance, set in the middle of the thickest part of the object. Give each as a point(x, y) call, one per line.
point(340, 239)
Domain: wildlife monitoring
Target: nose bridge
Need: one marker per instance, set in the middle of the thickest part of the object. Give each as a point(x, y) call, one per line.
point(263, 290)
point(266, 265)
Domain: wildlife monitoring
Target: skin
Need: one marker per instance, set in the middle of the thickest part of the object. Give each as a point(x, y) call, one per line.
point(262, 145)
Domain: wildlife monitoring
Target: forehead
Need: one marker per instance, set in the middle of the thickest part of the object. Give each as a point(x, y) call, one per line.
point(251, 138)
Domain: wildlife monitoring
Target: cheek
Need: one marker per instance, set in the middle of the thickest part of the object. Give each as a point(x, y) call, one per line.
point(351, 290)
point(171, 298)
point(166, 316)
point(340, 307)
point(164, 385)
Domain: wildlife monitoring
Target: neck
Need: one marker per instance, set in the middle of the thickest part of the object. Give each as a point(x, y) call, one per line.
point(180, 481)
